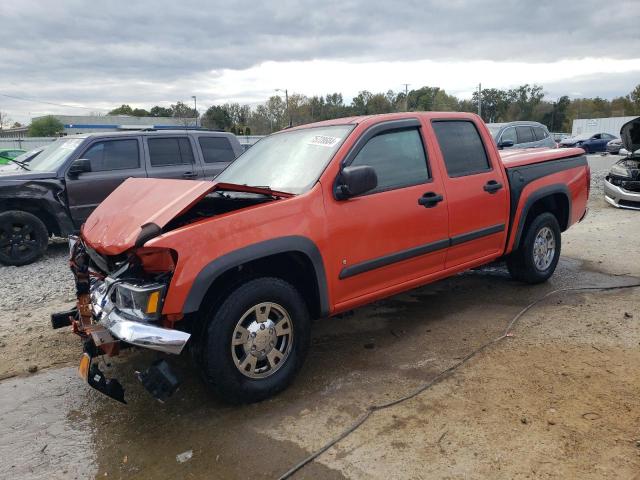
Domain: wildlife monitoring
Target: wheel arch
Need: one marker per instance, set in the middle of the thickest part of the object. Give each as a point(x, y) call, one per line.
point(34, 207)
point(554, 199)
point(294, 258)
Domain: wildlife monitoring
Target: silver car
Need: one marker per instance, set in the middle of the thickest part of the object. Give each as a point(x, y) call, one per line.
point(622, 185)
point(521, 135)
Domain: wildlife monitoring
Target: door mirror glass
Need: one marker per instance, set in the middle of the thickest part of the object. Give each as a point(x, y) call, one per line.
point(79, 166)
point(506, 144)
point(356, 181)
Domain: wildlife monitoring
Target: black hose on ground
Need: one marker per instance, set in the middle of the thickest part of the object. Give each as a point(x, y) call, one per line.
point(442, 375)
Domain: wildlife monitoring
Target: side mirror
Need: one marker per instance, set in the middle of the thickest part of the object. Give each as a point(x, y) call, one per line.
point(81, 165)
point(506, 144)
point(356, 181)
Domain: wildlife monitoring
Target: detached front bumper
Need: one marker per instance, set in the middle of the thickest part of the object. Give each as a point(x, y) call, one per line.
point(621, 198)
point(145, 335)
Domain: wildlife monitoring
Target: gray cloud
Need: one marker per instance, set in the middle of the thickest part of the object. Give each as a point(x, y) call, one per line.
point(78, 46)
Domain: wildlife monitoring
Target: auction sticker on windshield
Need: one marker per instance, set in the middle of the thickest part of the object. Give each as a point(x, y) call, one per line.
point(324, 141)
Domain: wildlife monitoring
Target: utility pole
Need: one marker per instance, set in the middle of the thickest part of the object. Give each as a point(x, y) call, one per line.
point(480, 99)
point(286, 99)
point(406, 96)
point(195, 108)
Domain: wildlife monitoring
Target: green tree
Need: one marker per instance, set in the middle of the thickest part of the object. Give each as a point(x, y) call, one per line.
point(140, 112)
point(46, 127)
point(634, 96)
point(217, 117)
point(158, 111)
point(123, 109)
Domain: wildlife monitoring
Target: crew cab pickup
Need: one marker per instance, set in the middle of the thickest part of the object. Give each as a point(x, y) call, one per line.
point(309, 223)
point(53, 191)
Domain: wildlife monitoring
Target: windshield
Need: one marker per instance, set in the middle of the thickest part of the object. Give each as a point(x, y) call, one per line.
point(289, 161)
point(54, 155)
point(25, 157)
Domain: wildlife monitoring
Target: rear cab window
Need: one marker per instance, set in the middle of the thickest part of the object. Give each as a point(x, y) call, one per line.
point(462, 148)
point(170, 151)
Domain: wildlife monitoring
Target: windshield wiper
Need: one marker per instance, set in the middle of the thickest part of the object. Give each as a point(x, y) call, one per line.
point(18, 162)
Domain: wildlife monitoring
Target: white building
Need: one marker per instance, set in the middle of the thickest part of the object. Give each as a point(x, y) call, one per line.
point(582, 126)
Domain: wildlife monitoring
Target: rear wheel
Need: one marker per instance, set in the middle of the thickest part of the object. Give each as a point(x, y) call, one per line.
point(23, 237)
point(537, 257)
point(256, 340)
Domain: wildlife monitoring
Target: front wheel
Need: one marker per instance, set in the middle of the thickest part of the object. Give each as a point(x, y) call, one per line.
point(23, 237)
point(256, 340)
point(537, 257)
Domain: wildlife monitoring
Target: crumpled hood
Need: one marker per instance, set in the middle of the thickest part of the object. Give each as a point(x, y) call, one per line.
point(630, 135)
point(115, 225)
point(139, 208)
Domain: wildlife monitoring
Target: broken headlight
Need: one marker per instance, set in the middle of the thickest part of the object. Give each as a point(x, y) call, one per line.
point(143, 302)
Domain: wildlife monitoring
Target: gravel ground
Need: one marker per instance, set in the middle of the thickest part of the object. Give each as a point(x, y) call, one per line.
point(39, 283)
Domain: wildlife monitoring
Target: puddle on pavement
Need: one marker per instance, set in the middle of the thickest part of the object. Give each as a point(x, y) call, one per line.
point(54, 426)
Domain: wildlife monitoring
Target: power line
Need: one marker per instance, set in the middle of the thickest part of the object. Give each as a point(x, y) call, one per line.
point(48, 103)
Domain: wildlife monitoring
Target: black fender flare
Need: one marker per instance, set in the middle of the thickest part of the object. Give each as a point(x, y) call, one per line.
point(533, 198)
point(222, 264)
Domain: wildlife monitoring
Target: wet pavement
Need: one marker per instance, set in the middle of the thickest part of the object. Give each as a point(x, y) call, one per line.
point(54, 426)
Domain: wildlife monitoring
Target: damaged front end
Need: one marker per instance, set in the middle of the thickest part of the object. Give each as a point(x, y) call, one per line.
point(622, 184)
point(119, 304)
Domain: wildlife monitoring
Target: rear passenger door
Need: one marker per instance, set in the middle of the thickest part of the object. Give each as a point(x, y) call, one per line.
point(217, 153)
point(172, 157)
point(475, 190)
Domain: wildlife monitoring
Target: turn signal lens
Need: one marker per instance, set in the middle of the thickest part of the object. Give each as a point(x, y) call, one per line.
point(83, 369)
point(152, 303)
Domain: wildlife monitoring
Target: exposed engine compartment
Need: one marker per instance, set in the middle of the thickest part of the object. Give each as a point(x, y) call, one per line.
point(217, 203)
point(625, 174)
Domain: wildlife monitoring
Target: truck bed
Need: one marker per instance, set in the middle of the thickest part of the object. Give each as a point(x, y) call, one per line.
point(527, 156)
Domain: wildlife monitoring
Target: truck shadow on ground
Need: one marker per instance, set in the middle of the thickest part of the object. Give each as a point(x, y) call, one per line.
point(380, 352)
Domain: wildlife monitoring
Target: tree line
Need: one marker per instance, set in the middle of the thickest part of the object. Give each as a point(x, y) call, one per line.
point(526, 102)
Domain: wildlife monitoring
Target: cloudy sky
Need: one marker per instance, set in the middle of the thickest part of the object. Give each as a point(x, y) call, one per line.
point(98, 55)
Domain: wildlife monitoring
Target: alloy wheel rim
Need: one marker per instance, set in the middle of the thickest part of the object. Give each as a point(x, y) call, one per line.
point(17, 240)
point(262, 340)
point(544, 249)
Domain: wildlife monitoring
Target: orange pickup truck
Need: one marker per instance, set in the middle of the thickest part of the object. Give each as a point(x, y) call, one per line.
point(310, 222)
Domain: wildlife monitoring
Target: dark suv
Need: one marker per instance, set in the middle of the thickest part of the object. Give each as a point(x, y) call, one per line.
point(55, 192)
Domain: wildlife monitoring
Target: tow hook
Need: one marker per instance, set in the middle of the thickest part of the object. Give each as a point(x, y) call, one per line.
point(159, 380)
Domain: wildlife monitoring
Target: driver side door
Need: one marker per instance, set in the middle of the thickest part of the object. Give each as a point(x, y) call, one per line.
point(389, 235)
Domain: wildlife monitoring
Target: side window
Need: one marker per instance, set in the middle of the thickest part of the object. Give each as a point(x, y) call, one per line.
point(509, 134)
point(525, 134)
point(170, 151)
point(398, 158)
point(216, 149)
point(596, 136)
point(113, 155)
point(539, 133)
point(461, 147)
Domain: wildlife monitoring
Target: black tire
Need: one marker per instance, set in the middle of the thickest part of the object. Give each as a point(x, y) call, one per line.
point(521, 262)
point(23, 237)
point(216, 353)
